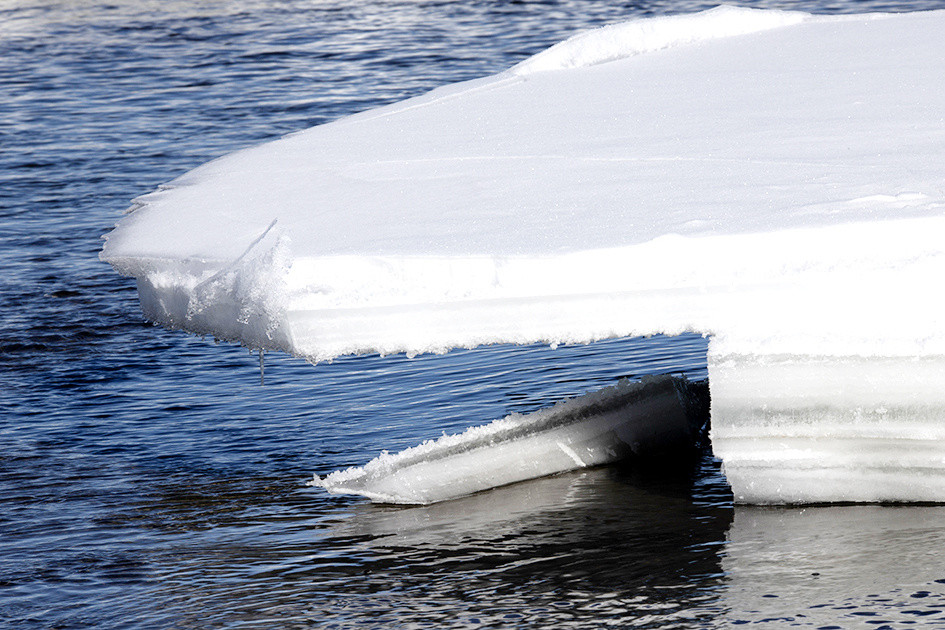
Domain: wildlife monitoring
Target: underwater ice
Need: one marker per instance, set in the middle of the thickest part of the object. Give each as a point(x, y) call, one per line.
point(629, 419)
point(770, 178)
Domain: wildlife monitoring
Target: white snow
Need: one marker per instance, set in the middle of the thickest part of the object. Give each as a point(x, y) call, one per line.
point(619, 41)
point(771, 178)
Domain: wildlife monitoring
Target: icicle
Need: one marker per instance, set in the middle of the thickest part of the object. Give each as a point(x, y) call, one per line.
point(262, 367)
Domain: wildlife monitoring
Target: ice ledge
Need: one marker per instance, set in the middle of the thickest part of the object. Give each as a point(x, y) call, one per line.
point(643, 420)
point(835, 291)
point(803, 429)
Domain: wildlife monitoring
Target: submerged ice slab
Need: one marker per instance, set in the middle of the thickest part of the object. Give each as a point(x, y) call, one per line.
point(770, 178)
point(643, 419)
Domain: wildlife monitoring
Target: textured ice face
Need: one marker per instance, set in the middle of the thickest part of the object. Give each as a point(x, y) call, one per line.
point(801, 429)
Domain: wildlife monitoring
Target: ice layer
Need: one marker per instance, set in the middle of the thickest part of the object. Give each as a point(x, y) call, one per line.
point(773, 179)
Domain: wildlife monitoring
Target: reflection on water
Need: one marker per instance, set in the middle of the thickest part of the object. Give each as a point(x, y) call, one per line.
point(836, 566)
point(596, 544)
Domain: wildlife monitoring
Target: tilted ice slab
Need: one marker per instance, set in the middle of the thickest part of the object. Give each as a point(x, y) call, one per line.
point(598, 428)
point(771, 178)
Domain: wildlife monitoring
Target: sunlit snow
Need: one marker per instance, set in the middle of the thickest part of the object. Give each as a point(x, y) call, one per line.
point(771, 178)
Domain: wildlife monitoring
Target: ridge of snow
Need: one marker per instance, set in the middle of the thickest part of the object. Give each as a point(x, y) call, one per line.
point(646, 35)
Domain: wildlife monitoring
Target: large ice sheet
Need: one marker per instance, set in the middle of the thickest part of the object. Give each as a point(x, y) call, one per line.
point(773, 179)
point(763, 176)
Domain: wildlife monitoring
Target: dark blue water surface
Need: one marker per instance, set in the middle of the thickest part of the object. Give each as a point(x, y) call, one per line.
point(148, 480)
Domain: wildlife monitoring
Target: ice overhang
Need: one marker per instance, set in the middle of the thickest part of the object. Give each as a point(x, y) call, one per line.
point(770, 178)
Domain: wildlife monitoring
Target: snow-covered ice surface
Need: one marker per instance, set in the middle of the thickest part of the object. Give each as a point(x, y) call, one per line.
point(771, 178)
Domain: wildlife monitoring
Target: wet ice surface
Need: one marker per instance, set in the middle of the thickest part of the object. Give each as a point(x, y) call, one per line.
point(146, 480)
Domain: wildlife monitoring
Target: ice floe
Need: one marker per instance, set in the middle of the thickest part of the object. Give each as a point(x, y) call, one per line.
point(770, 178)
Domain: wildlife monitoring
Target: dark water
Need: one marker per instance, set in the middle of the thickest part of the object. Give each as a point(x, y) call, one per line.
point(148, 480)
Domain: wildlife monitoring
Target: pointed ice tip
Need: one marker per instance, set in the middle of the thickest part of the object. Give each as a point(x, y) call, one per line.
point(316, 482)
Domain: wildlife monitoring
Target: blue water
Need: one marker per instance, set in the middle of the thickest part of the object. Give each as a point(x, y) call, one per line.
point(148, 480)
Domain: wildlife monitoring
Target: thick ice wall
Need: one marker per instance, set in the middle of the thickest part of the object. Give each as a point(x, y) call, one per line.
point(823, 291)
point(802, 429)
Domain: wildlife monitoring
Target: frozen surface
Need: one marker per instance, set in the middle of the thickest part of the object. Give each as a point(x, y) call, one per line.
point(772, 178)
point(602, 427)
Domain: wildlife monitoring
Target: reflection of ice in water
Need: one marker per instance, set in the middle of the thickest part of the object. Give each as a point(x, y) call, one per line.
point(831, 566)
point(591, 529)
point(592, 547)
